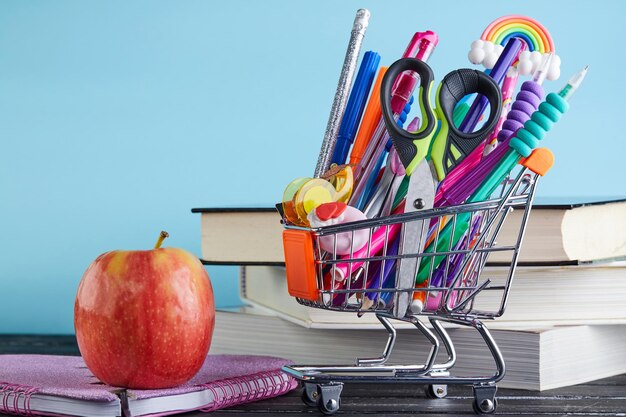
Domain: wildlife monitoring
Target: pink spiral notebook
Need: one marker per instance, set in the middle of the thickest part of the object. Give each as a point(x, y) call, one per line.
point(63, 386)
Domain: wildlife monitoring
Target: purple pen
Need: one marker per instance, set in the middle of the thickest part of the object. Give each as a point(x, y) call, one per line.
point(379, 278)
point(506, 59)
point(453, 267)
point(526, 102)
point(470, 162)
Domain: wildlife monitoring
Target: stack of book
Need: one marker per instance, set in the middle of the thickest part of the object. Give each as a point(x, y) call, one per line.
point(565, 321)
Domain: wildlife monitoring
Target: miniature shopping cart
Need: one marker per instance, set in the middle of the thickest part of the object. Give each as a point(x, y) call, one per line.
point(461, 239)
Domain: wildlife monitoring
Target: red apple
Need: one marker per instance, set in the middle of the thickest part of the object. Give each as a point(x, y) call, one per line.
point(144, 319)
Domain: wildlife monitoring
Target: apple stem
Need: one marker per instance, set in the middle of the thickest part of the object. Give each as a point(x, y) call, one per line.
point(162, 237)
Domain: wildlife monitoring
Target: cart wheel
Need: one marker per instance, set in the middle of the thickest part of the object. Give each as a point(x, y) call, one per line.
point(436, 391)
point(486, 406)
point(330, 407)
point(309, 394)
point(328, 400)
point(485, 401)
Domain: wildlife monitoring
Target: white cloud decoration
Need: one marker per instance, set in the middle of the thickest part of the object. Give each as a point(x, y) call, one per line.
point(486, 53)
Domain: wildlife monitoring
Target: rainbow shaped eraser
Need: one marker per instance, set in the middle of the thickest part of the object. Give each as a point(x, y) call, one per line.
point(535, 36)
point(533, 33)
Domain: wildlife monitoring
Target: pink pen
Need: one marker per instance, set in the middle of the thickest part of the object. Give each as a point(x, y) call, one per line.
point(508, 88)
point(421, 47)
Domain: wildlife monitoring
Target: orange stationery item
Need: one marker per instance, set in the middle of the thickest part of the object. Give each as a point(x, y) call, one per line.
point(370, 120)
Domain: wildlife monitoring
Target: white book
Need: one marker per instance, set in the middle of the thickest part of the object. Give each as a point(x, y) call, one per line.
point(574, 232)
point(537, 358)
point(539, 296)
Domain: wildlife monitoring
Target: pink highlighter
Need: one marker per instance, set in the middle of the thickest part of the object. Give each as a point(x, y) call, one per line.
point(343, 270)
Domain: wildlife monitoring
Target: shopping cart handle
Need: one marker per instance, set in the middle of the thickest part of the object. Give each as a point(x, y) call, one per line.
point(540, 161)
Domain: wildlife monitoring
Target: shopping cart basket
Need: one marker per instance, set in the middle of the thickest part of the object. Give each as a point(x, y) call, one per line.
point(460, 241)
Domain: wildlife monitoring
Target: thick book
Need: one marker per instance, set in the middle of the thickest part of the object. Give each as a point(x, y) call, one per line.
point(569, 233)
point(537, 358)
point(544, 295)
point(237, 236)
point(63, 385)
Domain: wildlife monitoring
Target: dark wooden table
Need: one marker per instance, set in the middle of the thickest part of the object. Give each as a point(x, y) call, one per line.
point(606, 397)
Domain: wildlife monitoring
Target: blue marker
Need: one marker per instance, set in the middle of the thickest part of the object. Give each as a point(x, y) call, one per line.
point(355, 106)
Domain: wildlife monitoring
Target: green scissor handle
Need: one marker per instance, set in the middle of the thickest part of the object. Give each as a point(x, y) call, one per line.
point(412, 148)
point(451, 146)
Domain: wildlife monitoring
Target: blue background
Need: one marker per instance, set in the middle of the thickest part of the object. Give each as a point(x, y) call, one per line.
point(116, 118)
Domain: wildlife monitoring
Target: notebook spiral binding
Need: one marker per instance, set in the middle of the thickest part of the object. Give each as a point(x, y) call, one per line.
point(12, 393)
point(226, 394)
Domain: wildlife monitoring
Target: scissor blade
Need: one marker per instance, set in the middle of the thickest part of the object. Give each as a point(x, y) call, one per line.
point(420, 196)
point(373, 207)
point(393, 190)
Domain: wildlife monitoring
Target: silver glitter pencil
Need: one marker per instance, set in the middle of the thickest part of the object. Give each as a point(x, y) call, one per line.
point(361, 20)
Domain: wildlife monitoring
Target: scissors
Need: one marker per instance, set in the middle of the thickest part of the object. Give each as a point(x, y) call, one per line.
point(429, 154)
